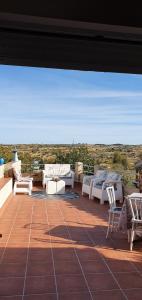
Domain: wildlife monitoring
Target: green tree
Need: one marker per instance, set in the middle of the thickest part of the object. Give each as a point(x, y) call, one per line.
point(79, 153)
point(120, 159)
point(124, 162)
point(116, 157)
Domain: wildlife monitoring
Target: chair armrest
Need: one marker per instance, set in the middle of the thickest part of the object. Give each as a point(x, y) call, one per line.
point(113, 181)
point(88, 178)
point(26, 182)
point(72, 173)
point(110, 182)
point(26, 179)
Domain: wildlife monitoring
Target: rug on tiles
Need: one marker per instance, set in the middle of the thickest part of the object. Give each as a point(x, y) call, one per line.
point(67, 196)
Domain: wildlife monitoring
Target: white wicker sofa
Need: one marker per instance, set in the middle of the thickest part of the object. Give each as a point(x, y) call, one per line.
point(63, 171)
point(95, 185)
point(98, 187)
point(89, 179)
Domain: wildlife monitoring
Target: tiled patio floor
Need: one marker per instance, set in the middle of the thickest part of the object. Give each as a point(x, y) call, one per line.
point(56, 250)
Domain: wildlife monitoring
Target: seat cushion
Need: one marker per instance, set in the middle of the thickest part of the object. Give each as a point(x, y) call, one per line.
point(117, 209)
point(107, 184)
point(99, 178)
point(98, 185)
point(67, 175)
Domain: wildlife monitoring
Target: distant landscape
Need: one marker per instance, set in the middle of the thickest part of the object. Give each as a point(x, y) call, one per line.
point(119, 157)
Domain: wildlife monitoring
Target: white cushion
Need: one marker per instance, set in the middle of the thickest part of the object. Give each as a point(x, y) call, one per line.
point(17, 174)
point(101, 174)
point(113, 176)
point(57, 170)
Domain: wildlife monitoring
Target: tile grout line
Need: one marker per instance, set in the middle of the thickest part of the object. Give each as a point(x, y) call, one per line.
point(79, 292)
point(107, 267)
point(103, 260)
point(69, 274)
point(28, 248)
point(112, 275)
point(53, 262)
point(131, 263)
point(134, 267)
point(12, 225)
point(76, 255)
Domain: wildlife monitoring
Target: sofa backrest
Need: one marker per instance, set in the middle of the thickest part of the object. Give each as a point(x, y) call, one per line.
point(57, 169)
point(101, 174)
point(113, 176)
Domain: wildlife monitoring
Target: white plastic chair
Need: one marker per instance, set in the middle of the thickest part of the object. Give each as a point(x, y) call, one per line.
point(136, 211)
point(114, 211)
point(22, 184)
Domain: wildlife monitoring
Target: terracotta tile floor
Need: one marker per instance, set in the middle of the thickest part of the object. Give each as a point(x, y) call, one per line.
point(57, 250)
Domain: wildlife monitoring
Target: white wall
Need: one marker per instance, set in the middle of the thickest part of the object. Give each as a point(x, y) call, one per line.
point(2, 171)
point(5, 191)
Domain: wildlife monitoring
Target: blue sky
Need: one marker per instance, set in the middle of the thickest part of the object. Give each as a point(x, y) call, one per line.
point(59, 106)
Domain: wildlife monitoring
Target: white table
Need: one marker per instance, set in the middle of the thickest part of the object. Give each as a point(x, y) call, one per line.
point(125, 218)
point(136, 195)
point(55, 187)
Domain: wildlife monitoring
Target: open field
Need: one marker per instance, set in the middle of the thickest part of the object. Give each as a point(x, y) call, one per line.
point(116, 156)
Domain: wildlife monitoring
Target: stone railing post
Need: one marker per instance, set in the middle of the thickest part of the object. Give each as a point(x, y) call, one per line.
point(78, 171)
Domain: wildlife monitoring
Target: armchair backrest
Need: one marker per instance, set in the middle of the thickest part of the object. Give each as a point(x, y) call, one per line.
point(113, 176)
point(101, 174)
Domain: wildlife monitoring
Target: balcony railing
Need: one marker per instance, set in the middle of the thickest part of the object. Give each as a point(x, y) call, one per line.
point(35, 170)
point(88, 169)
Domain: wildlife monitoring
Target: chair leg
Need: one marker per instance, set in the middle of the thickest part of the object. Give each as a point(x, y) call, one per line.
point(109, 224)
point(101, 202)
point(131, 239)
point(112, 222)
point(31, 185)
point(128, 232)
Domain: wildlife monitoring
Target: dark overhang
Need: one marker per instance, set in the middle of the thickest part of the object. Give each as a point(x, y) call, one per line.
point(86, 36)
